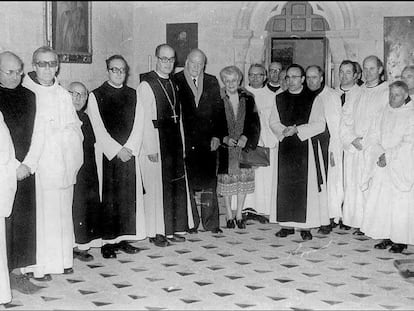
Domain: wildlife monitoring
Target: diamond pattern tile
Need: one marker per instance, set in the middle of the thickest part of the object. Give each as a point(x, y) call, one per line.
point(237, 270)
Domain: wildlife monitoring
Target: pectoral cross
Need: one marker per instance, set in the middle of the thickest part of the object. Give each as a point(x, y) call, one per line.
point(175, 117)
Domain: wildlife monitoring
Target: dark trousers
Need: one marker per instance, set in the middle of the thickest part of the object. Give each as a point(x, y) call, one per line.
point(175, 206)
point(209, 209)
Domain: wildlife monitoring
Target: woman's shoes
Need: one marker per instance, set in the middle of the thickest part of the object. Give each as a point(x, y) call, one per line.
point(383, 244)
point(230, 224)
point(241, 224)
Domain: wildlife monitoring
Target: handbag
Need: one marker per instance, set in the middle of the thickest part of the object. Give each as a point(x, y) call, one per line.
point(260, 156)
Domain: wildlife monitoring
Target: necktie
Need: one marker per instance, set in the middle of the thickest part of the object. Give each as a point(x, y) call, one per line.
point(343, 98)
point(195, 82)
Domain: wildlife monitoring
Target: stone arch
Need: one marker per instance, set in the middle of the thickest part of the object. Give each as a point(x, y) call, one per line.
point(249, 34)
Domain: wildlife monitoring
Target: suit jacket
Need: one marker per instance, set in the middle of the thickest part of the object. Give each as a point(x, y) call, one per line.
point(200, 124)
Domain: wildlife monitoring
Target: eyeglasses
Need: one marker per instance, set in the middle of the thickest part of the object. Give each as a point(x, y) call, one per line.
point(118, 70)
point(292, 77)
point(256, 74)
point(166, 59)
point(43, 64)
point(17, 72)
point(77, 94)
point(275, 70)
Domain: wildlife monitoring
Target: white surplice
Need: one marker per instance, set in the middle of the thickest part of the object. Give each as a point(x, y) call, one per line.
point(152, 171)
point(316, 208)
point(8, 186)
point(265, 178)
point(55, 155)
point(361, 107)
point(107, 146)
point(389, 212)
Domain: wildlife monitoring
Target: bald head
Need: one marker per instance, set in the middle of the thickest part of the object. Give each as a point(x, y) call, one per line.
point(79, 94)
point(11, 70)
point(195, 62)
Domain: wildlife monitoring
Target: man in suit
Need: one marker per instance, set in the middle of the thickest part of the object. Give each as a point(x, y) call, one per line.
point(204, 123)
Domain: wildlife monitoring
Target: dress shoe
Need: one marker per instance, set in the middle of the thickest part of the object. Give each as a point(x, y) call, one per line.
point(108, 251)
point(159, 240)
point(176, 238)
point(192, 231)
point(217, 230)
point(325, 229)
point(127, 248)
point(342, 226)
point(46, 277)
point(306, 235)
point(22, 284)
point(358, 232)
point(82, 255)
point(241, 223)
point(383, 244)
point(68, 271)
point(397, 248)
point(284, 232)
point(230, 224)
point(333, 224)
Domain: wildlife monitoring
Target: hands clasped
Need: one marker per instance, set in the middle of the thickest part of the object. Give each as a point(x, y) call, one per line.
point(357, 143)
point(125, 154)
point(290, 131)
point(231, 142)
point(22, 172)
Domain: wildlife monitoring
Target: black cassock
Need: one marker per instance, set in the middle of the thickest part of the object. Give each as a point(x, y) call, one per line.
point(172, 160)
point(18, 107)
point(117, 110)
point(86, 209)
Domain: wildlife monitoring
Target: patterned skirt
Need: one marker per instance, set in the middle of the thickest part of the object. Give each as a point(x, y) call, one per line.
point(233, 184)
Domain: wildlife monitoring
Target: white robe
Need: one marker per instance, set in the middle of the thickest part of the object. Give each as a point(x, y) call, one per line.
point(107, 146)
point(8, 186)
point(389, 212)
point(327, 110)
point(317, 211)
point(265, 178)
point(152, 171)
point(360, 109)
point(55, 155)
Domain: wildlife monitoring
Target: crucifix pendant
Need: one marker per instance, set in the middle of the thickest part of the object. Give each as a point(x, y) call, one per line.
point(174, 116)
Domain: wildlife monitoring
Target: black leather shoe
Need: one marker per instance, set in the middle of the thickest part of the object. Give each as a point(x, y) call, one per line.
point(358, 232)
point(108, 251)
point(217, 230)
point(306, 235)
point(68, 271)
point(333, 224)
point(159, 240)
point(342, 226)
point(176, 238)
point(284, 232)
point(325, 229)
point(383, 244)
point(82, 255)
point(397, 248)
point(230, 224)
point(192, 231)
point(241, 223)
point(127, 248)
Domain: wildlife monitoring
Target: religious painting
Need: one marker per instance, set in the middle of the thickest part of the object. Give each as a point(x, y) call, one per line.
point(283, 52)
point(183, 37)
point(68, 30)
point(398, 45)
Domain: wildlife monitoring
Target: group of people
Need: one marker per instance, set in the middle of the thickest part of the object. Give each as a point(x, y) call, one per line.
point(102, 169)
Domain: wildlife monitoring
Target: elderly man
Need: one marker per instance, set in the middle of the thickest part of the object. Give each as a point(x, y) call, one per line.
point(117, 122)
point(355, 128)
point(56, 156)
point(162, 153)
point(204, 123)
point(18, 106)
point(274, 82)
point(265, 177)
point(298, 201)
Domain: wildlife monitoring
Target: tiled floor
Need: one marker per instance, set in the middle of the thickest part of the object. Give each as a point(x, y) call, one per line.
point(240, 269)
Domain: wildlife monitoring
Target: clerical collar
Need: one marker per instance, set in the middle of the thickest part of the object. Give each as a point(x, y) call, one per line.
point(370, 87)
point(115, 86)
point(162, 75)
point(345, 90)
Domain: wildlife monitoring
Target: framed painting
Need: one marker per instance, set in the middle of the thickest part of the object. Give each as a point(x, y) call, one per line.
point(398, 45)
point(283, 51)
point(183, 37)
point(68, 30)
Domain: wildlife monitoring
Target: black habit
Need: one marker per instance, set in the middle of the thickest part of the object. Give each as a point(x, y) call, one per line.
point(86, 209)
point(201, 123)
point(171, 152)
point(18, 107)
point(117, 110)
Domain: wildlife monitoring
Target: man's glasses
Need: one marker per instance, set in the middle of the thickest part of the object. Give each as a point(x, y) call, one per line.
point(78, 95)
point(256, 74)
point(166, 59)
point(10, 73)
point(118, 70)
point(44, 64)
point(274, 70)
